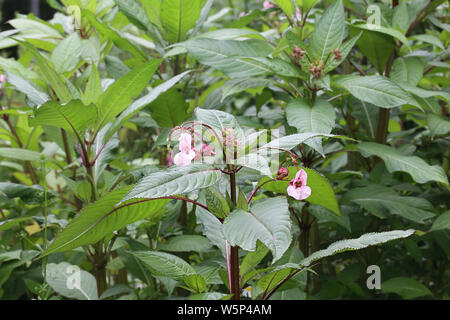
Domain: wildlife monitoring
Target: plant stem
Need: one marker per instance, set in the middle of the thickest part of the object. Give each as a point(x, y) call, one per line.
point(234, 256)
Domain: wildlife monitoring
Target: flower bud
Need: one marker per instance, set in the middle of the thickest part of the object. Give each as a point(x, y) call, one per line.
point(298, 53)
point(282, 173)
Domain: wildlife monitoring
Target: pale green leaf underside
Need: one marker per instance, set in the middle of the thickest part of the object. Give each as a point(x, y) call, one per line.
point(175, 180)
point(364, 241)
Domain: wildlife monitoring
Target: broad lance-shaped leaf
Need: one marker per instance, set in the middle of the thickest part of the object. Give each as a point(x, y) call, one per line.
point(73, 116)
point(67, 53)
point(382, 201)
point(377, 90)
point(212, 228)
point(178, 17)
point(318, 118)
point(101, 218)
point(35, 95)
point(219, 121)
point(112, 35)
point(293, 140)
point(57, 83)
point(268, 221)
point(28, 194)
point(329, 32)
point(71, 282)
point(165, 264)
point(169, 109)
point(120, 94)
point(21, 154)
point(366, 240)
point(322, 192)
point(224, 55)
point(419, 170)
point(174, 180)
point(407, 288)
point(142, 102)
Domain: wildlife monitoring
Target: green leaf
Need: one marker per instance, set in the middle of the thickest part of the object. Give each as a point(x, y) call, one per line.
point(73, 116)
point(252, 259)
point(234, 86)
point(409, 69)
point(134, 13)
point(366, 240)
point(20, 154)
point(407, 288)
point(67, 53)
point(121, 93)
point(174, 180)
point(384, 30)
point(178, 17)
point(28, 194)
point(217, 119)
point(101, 218)
point(293, 140)
point(438, 125)
point(196, 282)
point(228, 55)
point(322, 193)
point(268, 221)
point(216, 202)
point(318, 118)
point(112, 35)
point(144, 101)
point(169, 109)
point(93, 87)
point(329, 32)
point(419, 170)
point(186, 243)
point(53, 78)
point(8, 224)
point(212, 227)
point(165, 264)
point(376, 47)
point(380, 200)
point(280, 67)
point(442, 222)
point(377, 90)
point(63, 278)
point(35, 95)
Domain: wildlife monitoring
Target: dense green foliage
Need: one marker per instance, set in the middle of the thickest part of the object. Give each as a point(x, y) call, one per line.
point(329, 121)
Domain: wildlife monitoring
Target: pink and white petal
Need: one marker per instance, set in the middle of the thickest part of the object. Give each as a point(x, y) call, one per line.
point(302, 176)
point(304, 192)
point(183, 159)
point(185, 142)
point(293, 192)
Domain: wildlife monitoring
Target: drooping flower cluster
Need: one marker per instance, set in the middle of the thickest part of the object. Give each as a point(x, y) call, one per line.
point(188, 153)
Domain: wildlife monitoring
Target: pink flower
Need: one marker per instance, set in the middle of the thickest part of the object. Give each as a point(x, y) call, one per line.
point(268, 5)
point(2, 80)
point(187, 153)
point(297, 186)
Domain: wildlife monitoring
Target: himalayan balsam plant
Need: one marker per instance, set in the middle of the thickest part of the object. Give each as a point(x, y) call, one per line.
point(158, 149)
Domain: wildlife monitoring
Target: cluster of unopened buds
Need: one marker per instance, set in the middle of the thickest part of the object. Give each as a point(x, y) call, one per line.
point(316, 69)
point(188, 152)
point(299, 53)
